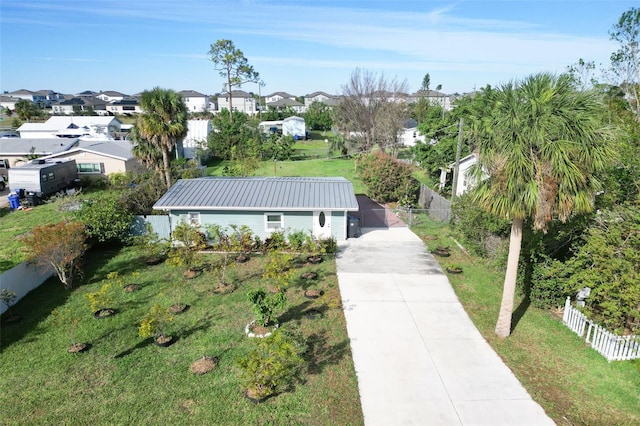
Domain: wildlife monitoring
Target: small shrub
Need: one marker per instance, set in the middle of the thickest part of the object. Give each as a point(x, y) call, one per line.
point(154, 322)
point(278, 269)
point(296, 240)
point(276, 241)
point(266, 305)
point(101, 299)
point(273, 365)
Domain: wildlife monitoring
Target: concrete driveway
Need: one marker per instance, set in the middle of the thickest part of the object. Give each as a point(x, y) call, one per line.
point(418, 357)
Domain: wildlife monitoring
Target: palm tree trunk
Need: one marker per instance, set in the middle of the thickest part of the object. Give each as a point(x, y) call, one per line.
point(503, 327)
point(167, 167)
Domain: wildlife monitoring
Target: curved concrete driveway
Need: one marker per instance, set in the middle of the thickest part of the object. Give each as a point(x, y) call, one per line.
point(418, 357)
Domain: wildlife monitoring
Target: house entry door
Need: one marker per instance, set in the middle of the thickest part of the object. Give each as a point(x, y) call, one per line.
point(321, 224)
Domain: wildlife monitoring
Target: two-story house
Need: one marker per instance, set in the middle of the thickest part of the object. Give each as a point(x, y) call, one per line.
point(195, 101)
point(241, 101)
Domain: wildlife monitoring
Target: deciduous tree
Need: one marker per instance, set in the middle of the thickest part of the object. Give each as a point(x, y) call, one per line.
point(367, 97)
point(59, 246)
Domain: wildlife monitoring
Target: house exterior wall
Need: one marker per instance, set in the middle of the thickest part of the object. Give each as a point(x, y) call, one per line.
point(104, 165)
point(242, 104)
point(292, 220)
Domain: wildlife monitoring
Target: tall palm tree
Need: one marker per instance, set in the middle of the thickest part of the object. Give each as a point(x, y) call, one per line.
point(541, 144)
point(146, 153)
point(163, 123)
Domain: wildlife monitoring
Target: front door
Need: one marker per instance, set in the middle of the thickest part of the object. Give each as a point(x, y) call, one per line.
point(321, 224)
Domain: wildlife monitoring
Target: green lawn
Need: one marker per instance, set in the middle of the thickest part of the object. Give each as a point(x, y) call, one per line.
point(16, 223)
point(573, 383)
point(319, 167)
point(125, 379)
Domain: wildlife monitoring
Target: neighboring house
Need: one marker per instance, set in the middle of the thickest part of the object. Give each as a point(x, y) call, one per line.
point(111, 96)
point(283, 104)
point(71, 126)
point(42, 98)
point(19, 150)
point(410, 133)
point(197, 133)
point(125, 106)
point(265, 204)
point(278, 96)
point(8, 102)
point(434, 97)
point(101, 158)
point(465, 179)
point(241, 100)
point(195, 101)
point(316, 97)
point(78, 104)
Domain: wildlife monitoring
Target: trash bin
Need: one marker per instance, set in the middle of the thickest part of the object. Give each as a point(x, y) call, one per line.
point(14, 201)
point(353, 228)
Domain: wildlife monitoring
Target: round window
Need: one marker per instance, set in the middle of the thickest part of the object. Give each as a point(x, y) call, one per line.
point(322, 219)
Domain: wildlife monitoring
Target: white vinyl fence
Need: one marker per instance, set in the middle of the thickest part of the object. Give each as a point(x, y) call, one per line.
point(609, 345)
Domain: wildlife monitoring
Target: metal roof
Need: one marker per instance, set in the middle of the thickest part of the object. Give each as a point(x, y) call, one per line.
point(260, 193)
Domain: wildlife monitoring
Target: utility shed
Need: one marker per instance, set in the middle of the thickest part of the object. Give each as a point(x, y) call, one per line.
point(265, 204)
point(295, 127)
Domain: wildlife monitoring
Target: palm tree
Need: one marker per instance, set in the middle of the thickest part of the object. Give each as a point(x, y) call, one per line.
point(163, 123)
point(146, 153)
point(541, 144)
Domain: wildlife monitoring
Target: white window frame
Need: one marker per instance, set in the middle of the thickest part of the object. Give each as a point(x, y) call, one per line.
point(267, 221)
point(193, 218)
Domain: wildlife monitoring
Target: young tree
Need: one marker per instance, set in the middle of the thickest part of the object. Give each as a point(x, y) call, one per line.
point(59, 246)
point(26, 110)
point(318, 116)
point(162, 124)
point(367, 97)
point(626, 60)
point(541, 146)
point(233, 66)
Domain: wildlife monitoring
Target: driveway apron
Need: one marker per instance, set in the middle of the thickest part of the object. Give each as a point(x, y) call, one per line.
point(418, 357)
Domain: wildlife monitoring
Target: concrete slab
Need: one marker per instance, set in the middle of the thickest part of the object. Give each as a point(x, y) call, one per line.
point(418, 357)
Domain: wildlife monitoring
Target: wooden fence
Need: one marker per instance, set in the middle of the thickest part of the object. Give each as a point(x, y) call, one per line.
point(609, 345)
point(438, 207)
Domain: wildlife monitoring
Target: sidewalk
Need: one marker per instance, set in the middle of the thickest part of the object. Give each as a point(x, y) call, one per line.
point(418, 357)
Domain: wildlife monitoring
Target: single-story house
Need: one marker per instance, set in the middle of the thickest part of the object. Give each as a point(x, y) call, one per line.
point(265, 204)
point(71, 126)
point(101, 158)
point(410, 133)
point(15, 151)
point(465, 179)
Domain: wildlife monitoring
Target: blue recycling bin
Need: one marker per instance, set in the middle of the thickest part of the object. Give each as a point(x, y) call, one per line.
point(14, 201)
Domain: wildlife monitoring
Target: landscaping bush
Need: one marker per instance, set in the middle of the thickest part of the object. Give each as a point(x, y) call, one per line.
point(388, 179)
point(106, 218)
point(483, 233)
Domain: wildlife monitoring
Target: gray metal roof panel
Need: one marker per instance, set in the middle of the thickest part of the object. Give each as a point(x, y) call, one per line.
point(260, 193)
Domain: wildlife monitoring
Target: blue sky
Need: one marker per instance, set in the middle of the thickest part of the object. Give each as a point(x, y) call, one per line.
point(297, 46)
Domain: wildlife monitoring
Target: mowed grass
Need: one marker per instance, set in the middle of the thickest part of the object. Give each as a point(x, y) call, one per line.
point(313, 168)
point(572, 382)
point(15, 224)
point(125, 379)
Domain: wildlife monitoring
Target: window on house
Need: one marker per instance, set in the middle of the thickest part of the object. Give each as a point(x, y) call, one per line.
point(89, 168)
point(273, 221)
point(51, 176)
point(194, 218)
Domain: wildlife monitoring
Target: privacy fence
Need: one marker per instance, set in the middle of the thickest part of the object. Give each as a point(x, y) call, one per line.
point(609, 345)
